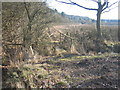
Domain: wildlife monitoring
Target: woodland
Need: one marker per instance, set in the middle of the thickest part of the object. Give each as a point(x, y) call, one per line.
point(42, 48)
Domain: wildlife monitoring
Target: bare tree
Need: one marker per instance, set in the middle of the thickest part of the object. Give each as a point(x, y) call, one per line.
point(24, 25)
point(102, 8)
point(28, 32)
point(36, 14)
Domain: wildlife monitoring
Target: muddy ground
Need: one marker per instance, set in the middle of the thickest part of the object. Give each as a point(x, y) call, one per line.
point(71, 71)
point(82, 72)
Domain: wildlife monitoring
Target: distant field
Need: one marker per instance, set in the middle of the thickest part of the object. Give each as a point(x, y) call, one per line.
point(85, 26)
point(112, 30)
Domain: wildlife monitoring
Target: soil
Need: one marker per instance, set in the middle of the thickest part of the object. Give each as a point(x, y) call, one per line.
point(90, 73)
point(71, 71)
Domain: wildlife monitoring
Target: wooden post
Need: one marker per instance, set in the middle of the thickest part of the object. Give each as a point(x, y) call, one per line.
point(71, 41)
point(60, 38)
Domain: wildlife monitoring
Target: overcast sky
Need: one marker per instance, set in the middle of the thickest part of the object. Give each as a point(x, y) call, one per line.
point(75, 10)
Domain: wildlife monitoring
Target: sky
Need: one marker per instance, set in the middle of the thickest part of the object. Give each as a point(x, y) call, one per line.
point(75, 10)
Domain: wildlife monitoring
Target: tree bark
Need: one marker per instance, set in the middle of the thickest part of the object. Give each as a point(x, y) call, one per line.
point(27, 36)
point(27, 33)
point(99, 11)
point(99, 35)
point(118, 31)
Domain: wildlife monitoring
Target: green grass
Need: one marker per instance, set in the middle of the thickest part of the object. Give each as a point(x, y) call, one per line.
point(74, 58)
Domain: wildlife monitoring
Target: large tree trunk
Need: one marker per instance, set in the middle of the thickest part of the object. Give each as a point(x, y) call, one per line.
point(99, 34)
point(118, 31)
point(99, 11)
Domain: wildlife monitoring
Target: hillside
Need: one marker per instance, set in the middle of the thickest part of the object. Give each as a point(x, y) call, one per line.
point(79, 19)
point(64, 18)
point(85, 20)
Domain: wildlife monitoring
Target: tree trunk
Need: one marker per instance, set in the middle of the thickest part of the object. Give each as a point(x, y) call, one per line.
point(118, 31)
point(27, 33)
point(27, 38)
point(99, 35)
point(99, 11)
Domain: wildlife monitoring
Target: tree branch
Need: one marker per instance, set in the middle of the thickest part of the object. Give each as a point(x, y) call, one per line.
point(34, 13)
point(113, 3)
point(109, 10)
point(95, 1)
point(105, 3)
point(73, 3)
point(31, 17)
point(109, 6)
point(28, 14)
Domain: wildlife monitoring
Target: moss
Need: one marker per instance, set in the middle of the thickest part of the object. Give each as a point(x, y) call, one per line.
point(65, 59)
point(40, 76)
point(68, 78)
point(62, 84)
point(110, 43)
point(116, 48)
point(104, 55)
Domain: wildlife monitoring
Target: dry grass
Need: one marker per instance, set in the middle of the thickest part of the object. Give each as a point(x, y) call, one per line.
point(72, 71)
